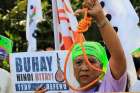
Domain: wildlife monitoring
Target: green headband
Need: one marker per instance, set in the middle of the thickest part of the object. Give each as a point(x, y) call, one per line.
point(136, 52)
point(91, 48)
point(6, 43)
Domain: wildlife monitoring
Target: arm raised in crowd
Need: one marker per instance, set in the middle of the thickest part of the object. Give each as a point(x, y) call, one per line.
point(117, 60)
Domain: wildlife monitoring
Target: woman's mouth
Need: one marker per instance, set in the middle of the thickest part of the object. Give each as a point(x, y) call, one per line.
point(83, 77)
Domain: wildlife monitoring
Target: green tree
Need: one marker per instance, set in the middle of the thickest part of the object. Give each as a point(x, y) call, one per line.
point(13, 21)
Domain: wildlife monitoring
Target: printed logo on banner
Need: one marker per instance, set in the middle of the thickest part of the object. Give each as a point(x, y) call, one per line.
point(33, 13)
point(31, 70)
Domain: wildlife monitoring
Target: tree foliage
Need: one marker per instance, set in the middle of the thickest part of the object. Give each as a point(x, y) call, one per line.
point(13, 22)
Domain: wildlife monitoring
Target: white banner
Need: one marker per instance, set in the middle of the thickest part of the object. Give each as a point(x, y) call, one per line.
point(29, 70)
point(64, 22)
point(34, 15)
point(56, 25)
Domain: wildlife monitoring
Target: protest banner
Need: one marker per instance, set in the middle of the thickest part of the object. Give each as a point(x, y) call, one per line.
point(34, 16)
point(30, 70)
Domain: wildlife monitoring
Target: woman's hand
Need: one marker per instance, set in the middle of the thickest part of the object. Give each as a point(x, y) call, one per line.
point(40, 89)
point(94, 9)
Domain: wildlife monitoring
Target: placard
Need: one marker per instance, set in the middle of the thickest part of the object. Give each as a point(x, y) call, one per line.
point(30, 70)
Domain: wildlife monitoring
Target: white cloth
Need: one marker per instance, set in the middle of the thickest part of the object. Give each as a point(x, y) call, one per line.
point(64, 22)
point(125, 18)
point(135, 87)
point(34, 15)
point(5, 82)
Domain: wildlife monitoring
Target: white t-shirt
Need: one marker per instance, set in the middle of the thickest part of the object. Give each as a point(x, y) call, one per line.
point(5, 81)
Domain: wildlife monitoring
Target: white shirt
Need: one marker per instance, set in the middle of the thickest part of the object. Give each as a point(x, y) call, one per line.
point(5, 81)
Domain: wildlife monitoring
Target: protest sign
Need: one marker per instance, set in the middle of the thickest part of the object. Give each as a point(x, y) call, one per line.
point(30, 70)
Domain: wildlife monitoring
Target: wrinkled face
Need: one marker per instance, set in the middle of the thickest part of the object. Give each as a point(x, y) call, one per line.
point(85, 73)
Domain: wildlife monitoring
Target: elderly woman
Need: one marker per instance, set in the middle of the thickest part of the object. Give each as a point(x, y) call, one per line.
point(115, 78)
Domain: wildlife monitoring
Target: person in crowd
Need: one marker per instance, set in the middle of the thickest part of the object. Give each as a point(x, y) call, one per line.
point(115, 78)
point(5, 82)
point(137, 65)
point(136, 59)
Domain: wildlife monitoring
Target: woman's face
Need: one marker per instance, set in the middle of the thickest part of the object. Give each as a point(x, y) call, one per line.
point(85, 73)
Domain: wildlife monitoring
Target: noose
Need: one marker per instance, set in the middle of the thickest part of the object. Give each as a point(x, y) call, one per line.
point(83, 26)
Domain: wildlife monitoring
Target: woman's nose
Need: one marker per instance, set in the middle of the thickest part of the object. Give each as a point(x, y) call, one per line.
point(84, 66)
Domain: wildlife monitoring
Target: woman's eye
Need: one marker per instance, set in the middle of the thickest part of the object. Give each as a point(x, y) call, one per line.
point(92, 61)
point(79, 62)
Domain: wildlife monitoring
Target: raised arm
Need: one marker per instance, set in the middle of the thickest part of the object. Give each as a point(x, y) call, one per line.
point(117, 60)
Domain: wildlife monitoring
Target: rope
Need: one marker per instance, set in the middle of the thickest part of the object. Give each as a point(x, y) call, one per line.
point(83, 26)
